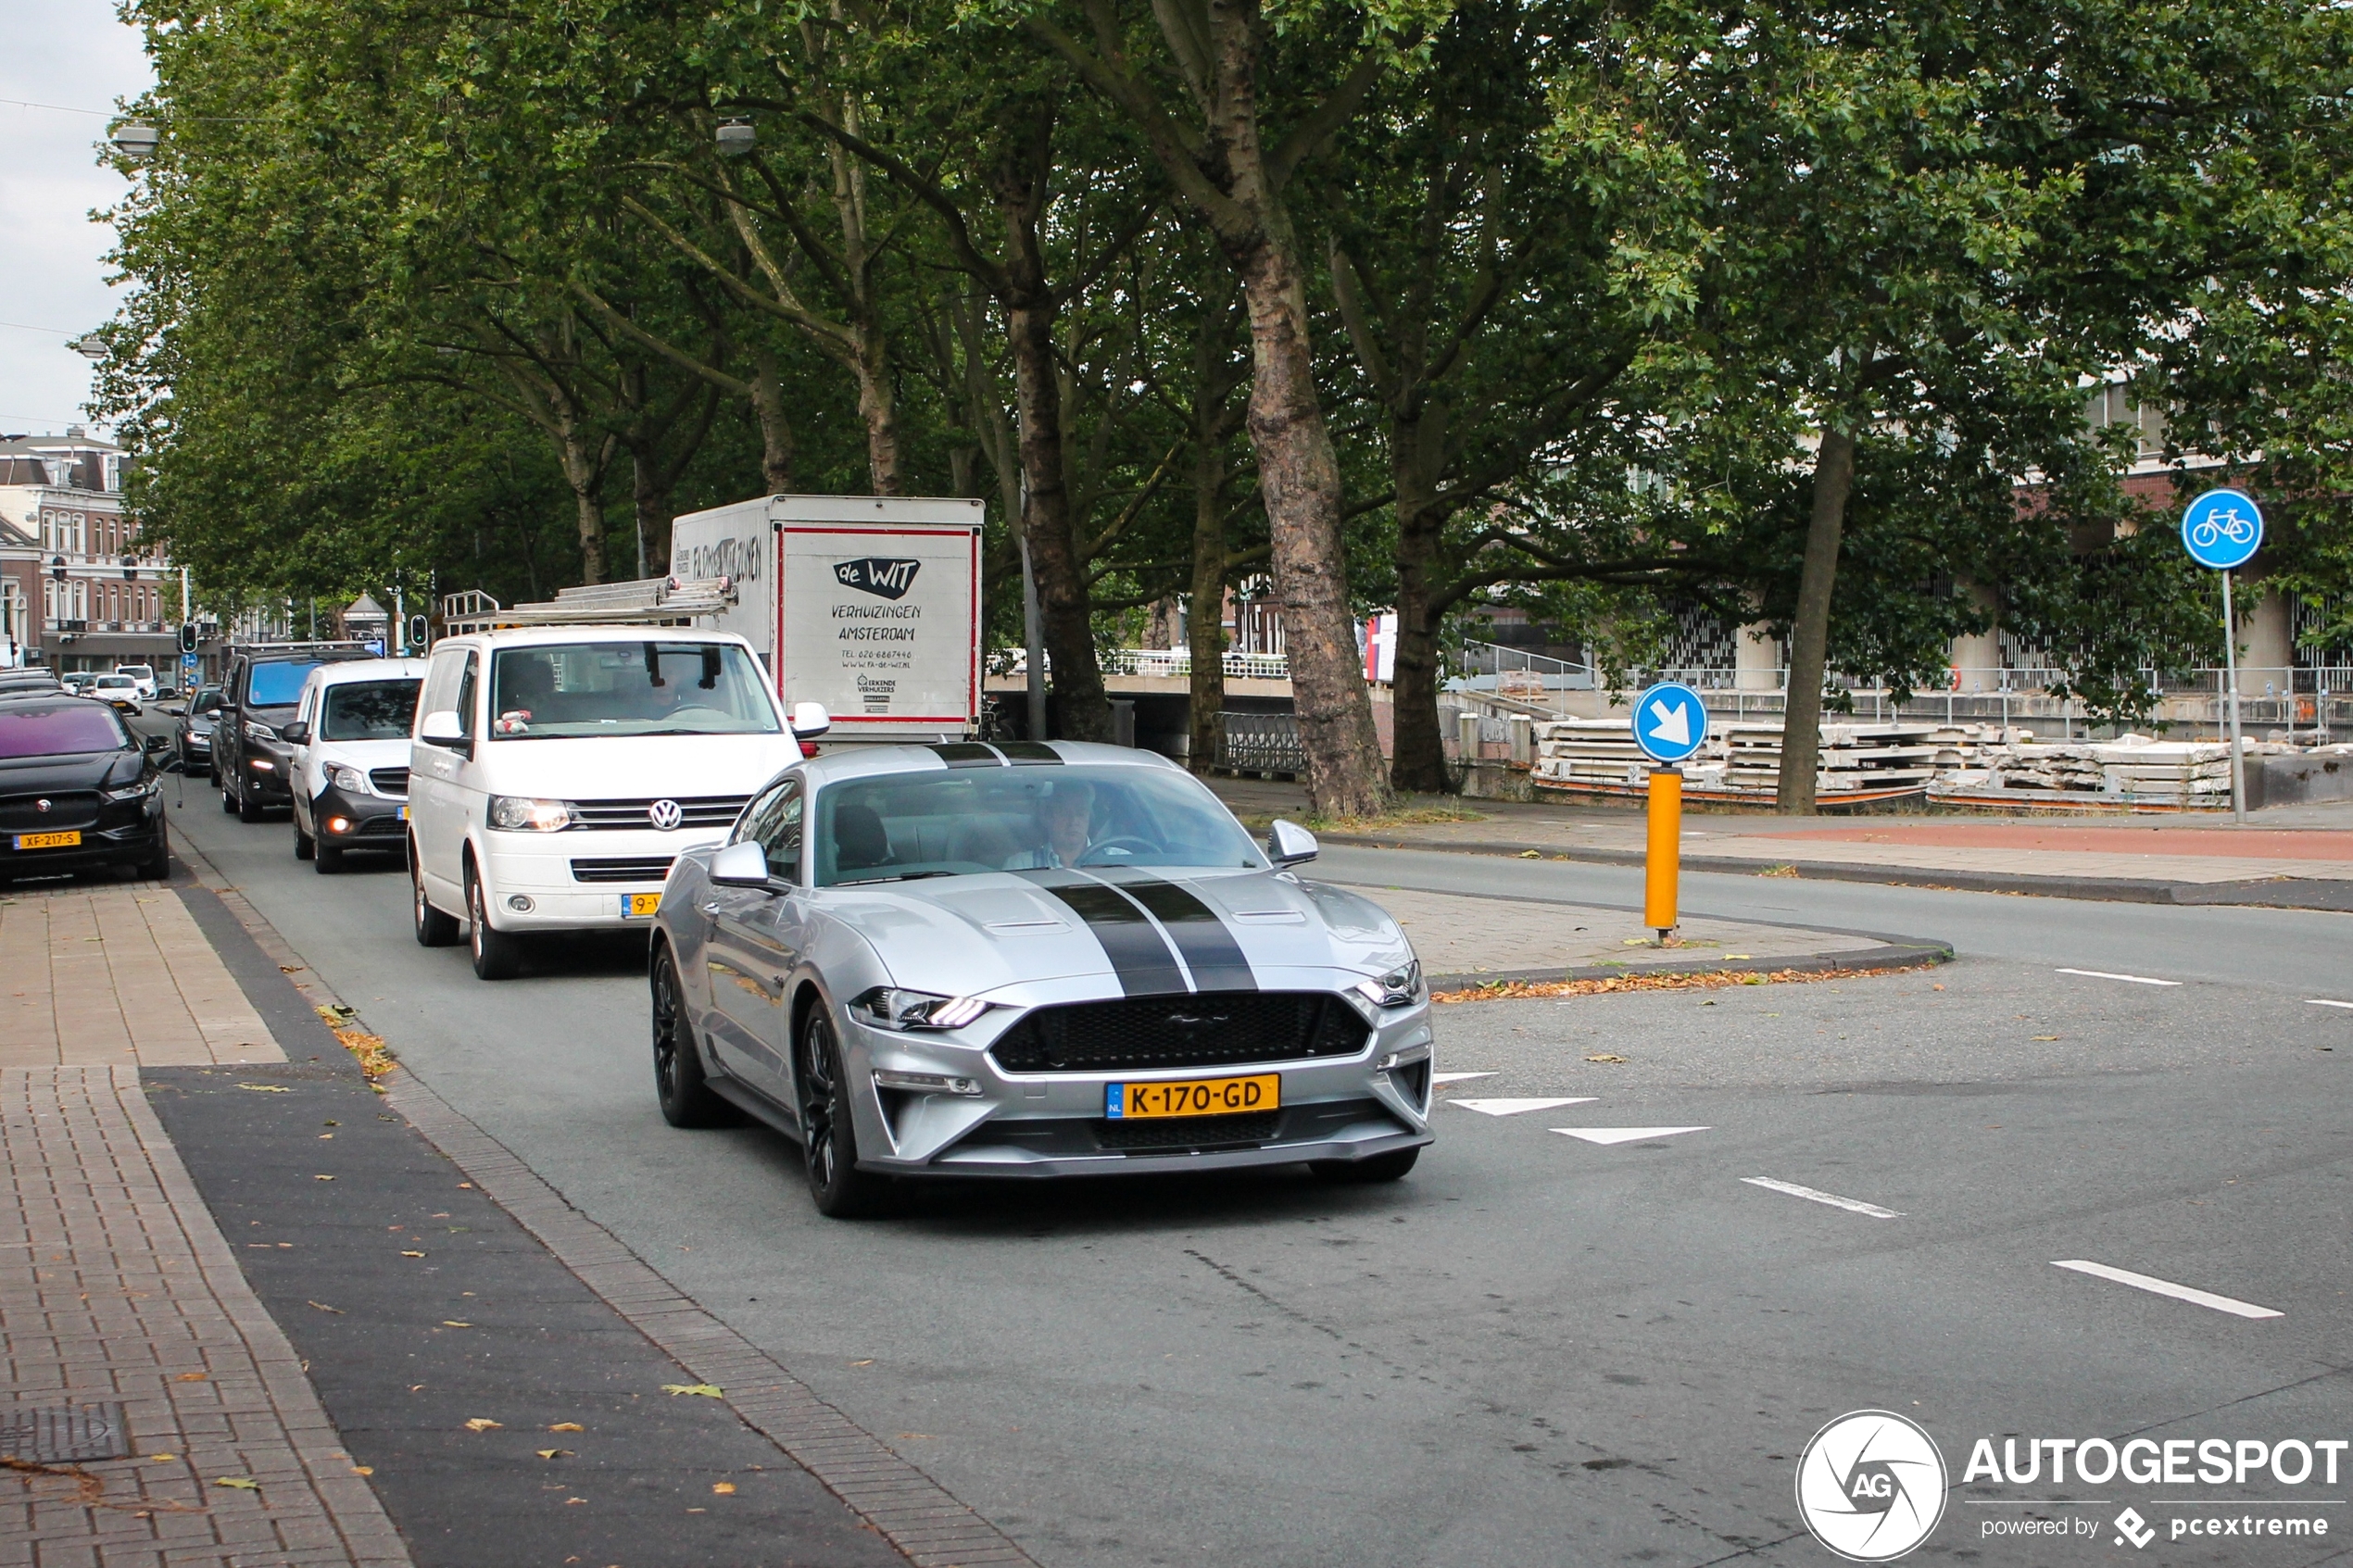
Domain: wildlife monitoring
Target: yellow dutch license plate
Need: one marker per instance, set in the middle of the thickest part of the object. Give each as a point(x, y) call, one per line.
point(639, 906)
point(48, 840)
point(1196, 1097)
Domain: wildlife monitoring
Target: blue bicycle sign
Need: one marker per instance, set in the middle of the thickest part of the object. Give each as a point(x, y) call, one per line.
point(2223, 529)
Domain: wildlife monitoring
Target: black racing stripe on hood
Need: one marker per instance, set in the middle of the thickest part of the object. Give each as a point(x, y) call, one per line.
point(968, 754)
point(1200, 934)
point(1139, 954)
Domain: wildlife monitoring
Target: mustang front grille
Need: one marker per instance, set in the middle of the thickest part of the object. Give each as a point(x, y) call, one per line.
point(694, 811)
point(1191, 1132)
point(647, 868)
point(1211, 1029)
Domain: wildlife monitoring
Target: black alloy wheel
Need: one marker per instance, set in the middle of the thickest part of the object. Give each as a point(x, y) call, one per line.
point(433, 928)
point(248, 809)
point(828, 1139)
point(497, 955)
point(327, 859)
point(680, 1082)
point(1379, 1167)
point(157, 866)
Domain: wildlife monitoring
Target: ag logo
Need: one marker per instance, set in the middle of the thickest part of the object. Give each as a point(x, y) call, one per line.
point(1870, 1486)
point(874, 574)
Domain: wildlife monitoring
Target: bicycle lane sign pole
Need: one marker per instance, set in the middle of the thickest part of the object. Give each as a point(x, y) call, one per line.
point(2221, 530)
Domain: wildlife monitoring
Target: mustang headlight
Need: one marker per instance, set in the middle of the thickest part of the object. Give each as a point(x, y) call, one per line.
point(516, 813)
point(1399, 987)
point(349, 780)
point(257, 729)
point(893, 1008)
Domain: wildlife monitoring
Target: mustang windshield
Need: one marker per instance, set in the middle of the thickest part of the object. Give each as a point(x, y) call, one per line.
point(968, 821)
point(664, 688)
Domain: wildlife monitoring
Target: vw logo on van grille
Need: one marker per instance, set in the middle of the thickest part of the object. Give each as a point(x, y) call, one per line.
point(665, 814)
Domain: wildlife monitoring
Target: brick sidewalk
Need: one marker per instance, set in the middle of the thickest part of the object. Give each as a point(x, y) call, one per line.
point(105, 974)
point(132, 1296)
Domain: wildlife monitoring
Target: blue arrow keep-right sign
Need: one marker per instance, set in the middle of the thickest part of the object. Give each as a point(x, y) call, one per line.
point(1670, 721)
point(2223, 529)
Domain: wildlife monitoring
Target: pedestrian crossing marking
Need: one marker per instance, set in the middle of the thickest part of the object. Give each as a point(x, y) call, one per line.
point(1624, 1134)
point(1514, 1107)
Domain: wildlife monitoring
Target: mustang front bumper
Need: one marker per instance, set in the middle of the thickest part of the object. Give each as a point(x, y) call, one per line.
point(1375, 1101)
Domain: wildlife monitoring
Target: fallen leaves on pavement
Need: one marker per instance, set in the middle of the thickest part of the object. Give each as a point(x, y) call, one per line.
point(724, 1489)
point(324, 1307)
point(482, 1424)
point(241, 1483)
point(267, 1088)
point(554, 1453)
point(707, 1390)
point(567, 1426)
point(1680, 980)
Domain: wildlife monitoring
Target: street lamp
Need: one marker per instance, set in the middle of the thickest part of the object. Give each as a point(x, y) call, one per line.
point(57, 568)
point(90, 346)
point(136, 140)
point(736, 137)
point(130, 568)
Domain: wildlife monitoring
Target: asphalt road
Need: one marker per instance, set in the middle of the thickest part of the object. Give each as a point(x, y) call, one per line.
point(1538, 1348)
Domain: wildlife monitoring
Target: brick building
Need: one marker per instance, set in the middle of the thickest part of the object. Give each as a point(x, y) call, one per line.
point(78, 590)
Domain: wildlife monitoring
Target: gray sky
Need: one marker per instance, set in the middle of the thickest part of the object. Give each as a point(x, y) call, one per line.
point(76, 53)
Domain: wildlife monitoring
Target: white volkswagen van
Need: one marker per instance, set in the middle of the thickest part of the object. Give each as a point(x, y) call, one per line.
point(556, 771)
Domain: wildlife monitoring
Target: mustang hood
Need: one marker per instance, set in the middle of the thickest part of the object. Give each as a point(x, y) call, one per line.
point(1137, 931)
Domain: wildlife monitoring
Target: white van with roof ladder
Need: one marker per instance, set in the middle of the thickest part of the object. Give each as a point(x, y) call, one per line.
point(557, 771)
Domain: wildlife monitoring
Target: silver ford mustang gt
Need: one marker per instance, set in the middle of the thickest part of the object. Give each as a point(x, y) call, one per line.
point(1031, 961)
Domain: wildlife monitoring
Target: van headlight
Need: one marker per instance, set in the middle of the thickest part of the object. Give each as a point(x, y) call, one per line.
point(349, 780)
point(893, 1008)
point(1399, 987)
point(257, 729)
point(517, 813)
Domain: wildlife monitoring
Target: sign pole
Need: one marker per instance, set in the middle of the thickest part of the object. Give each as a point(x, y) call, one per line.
point(2231, 679)
point(1663, 858)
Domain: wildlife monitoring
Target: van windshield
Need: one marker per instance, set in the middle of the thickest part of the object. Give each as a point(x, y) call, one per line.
point(369, 710)
point(609, 688)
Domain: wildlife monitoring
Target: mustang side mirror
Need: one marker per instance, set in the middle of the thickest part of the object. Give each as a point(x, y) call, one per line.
point(1288, 843)
point(811, 719)
point(740, 865)
point(295, 733)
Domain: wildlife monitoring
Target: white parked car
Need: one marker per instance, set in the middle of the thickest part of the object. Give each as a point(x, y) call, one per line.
point(348, 758)
point(558, 770)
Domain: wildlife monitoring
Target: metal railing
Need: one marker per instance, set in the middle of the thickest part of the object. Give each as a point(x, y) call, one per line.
point(1163, 663)
point(1260, 743)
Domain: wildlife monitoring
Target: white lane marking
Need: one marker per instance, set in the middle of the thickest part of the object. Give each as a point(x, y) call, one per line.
point(1514, 1107)
point(1624, 1134)
point(2324, 1002)
point(2103, 974)
point(1457, 1077)
point(2166, 1288)
point(1815, 1194)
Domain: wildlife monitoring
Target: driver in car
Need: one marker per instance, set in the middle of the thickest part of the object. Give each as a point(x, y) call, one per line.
point(1066, 818)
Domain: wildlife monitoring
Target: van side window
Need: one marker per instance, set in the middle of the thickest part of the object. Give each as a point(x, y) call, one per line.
point(466, 698)
point(440, 681)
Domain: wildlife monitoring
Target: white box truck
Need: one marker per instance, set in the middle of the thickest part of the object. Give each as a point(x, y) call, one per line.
point(868, 603)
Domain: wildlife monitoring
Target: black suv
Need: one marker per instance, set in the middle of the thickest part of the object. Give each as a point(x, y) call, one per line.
point(258, 697)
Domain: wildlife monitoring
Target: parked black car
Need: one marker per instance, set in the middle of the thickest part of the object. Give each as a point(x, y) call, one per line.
point(193, 738)
point(32, 681)
point(259, 693)
point(78, 791)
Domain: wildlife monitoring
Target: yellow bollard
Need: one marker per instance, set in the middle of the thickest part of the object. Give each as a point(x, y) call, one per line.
point(1666, 850)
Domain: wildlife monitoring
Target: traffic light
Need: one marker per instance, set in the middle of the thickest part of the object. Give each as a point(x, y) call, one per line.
point(187, 636)
point(419, 632)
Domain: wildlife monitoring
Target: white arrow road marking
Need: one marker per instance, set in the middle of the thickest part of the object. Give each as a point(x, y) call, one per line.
point(1457, 1077)
point(2166, 1288)
point(1672, 725)
point(1514, 1107)
point(2324, 1002)
point(1624, 1134)
point(1815, 1194)
point(2103, 974)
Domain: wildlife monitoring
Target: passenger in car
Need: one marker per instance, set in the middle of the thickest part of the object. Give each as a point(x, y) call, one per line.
point(1065, 821)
